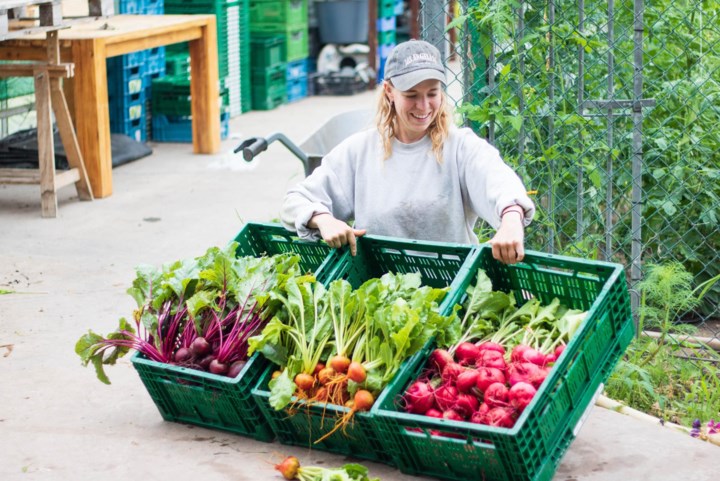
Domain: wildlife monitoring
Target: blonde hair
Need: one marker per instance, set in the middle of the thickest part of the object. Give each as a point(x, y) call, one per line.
point(438, 130)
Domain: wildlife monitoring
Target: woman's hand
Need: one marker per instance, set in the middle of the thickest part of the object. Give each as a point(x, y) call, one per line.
point(336, 232)
point(508, 242)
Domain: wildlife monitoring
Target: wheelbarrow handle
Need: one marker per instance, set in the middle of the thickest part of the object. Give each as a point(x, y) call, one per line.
point(251, 147)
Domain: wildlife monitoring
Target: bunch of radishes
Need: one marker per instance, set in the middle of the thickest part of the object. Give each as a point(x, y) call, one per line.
point(480, 383)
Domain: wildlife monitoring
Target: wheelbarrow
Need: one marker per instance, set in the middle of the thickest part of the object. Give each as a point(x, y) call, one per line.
point(314, 148)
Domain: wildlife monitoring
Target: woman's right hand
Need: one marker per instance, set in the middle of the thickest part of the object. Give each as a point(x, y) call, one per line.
point(336, 232)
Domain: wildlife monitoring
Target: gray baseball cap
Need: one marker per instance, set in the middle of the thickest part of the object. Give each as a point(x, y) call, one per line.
point(412, 62)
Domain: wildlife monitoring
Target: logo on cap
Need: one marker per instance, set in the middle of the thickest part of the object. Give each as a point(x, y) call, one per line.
point(419, 57)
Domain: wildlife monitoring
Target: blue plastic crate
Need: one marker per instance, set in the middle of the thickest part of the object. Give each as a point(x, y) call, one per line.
point(154, 7)
point(384, 50)
point(155, 61)
point(297, 89)
point(132, 7)
point(381, 69)
point(135, 129)
point(386, 24)
point(127, 107)
point(169, 128)
point(126, 81)
point(297, 69)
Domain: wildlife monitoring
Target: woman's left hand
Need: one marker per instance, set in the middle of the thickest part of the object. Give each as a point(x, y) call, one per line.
point(508, 242)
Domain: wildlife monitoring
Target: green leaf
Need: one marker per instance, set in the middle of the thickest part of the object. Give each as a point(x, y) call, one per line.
point(282, 389)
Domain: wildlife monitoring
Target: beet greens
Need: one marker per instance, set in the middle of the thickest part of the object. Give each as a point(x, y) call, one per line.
point(197, 313)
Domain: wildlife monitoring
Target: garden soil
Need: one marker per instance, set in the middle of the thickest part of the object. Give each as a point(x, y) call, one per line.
point(70, 274)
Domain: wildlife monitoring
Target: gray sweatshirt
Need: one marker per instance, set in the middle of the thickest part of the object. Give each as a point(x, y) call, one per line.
point(409, 195)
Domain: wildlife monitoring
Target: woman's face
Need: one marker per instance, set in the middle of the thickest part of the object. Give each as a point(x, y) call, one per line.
point(416, 108)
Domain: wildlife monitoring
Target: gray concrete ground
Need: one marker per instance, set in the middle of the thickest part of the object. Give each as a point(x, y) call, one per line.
point(57, 422)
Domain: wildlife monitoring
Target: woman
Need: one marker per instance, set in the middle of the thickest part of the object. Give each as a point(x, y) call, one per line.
point(416, 176)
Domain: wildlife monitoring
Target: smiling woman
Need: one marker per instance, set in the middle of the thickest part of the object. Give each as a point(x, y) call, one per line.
point(415, 175)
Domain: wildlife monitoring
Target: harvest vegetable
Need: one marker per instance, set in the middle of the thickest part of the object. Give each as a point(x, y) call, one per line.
point(197, 313)
point(501, 357)
point(291, 469)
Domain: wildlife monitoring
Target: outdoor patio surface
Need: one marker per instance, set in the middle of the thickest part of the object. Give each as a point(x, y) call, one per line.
point(70, 274)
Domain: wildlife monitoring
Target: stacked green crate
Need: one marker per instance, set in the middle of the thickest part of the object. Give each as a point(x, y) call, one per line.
point(17, 94)
point(282, 17)
point(233, 37)
point(269, 70)
point(386, 34)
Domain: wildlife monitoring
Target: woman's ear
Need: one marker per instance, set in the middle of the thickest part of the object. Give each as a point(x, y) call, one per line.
point(388, 92)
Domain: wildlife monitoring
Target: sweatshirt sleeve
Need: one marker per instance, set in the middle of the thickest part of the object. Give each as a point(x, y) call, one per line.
point(329, 189)
point(491, 184)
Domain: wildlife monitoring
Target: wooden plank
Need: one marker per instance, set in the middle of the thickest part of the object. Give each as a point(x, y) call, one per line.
point(66, 177)
point(204, 92)
point(135, 44)
point(28, 69)
point(19, 176)
point(92, 118)
point(69, 140)
point(46, 149)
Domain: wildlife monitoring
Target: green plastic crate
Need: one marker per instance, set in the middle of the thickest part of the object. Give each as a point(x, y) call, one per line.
point(296, 39)
point(267, 51)
point(200, 398)
point(386, 8)
point(533, 448)
point(13, 87)
point(387, 38)
point(278, 13)
point(256, 239)
point(439, 264)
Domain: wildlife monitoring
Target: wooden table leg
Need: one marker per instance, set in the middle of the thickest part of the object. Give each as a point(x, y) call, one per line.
point(205, 92)
point(46, 147)
point(92, 118)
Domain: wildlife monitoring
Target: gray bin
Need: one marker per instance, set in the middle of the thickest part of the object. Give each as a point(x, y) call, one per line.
point(342, 21)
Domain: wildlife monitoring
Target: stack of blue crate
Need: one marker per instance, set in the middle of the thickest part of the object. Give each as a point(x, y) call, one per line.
point(386, 33)
point(297, 79)
point(130, 77)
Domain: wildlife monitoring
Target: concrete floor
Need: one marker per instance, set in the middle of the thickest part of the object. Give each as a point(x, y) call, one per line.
point(57, 422)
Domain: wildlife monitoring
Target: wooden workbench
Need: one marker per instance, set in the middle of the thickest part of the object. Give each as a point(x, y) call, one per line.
point(89, 44)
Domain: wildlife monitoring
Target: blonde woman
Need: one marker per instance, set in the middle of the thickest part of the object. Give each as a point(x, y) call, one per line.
point(416, 175)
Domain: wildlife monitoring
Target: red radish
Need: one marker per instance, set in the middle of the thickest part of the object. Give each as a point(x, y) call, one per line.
point(550, 358)
point(419, 398)
point(501, 417)
point(340, 363)
point(490, 358)
point(520, 395)
point(488, 376)
point(434, 413)
point(439, 358)
point(363, 400)
point(538, 377)
point(466, 353)
point(304, 382)
point(559, 350)
point(465, 405)
point(200, 346)
point(491, 346)
point(521, 372)
point(356, 372)
point(452, 415)
point(217, 367)
point(289, 467)
point(182, 355)
point(467, 380)
point(236, 368)
point(518, 352)
point(445, 396)
point(496, 395)
point(480, 415)
point(451, 372)
point(534, 356)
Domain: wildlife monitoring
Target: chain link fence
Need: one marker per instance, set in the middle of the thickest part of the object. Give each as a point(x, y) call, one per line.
point(609, 111)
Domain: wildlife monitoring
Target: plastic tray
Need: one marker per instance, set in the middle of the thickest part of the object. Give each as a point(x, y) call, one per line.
point(439, 264)
point(533, 448)
point(204, 399)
